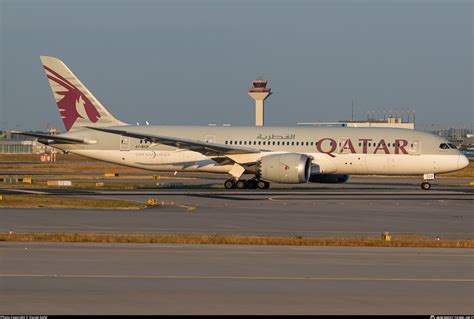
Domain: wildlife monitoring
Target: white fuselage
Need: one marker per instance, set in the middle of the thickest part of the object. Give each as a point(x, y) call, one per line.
point(351, 164)
point(335, 151)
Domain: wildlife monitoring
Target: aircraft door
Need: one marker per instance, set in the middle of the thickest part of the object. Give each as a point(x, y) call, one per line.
point(415, 146)
point(210, 139)
point(124, 143)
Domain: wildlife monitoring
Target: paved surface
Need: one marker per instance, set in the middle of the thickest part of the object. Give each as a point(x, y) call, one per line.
point(289, 213)
point(206, 181)
point(195, 279)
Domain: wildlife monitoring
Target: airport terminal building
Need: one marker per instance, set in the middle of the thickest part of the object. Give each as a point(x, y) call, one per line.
point(18, 144)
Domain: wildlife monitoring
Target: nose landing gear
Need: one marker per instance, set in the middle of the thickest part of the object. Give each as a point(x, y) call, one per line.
point(426, 184)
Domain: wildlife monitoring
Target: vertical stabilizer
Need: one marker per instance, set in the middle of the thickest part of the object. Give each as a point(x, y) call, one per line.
point(77, 106)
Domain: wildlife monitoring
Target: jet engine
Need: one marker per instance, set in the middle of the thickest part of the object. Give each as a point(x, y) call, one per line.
point(289, 168)
point(328, 178)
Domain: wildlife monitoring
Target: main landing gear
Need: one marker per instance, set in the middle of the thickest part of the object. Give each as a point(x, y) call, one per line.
point(426, 184)
point(243, 184)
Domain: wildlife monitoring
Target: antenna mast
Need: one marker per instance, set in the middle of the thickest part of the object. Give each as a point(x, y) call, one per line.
point(352, 109)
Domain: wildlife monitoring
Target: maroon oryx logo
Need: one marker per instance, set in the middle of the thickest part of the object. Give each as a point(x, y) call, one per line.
point(74, 104)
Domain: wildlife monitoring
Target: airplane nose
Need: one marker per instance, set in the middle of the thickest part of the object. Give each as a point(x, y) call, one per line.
point(462, 162)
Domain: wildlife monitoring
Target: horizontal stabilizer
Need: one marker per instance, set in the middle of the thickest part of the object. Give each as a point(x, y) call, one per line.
point(46, 139)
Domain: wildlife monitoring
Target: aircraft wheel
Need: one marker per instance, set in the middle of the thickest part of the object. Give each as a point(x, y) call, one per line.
point(262, 184)
point(425, 186)
point(252, 184)
point(229, 184)
point(241, 184)
point(267, 185)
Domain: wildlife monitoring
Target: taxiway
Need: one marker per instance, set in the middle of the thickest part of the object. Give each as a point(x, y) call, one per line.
point(196, 279)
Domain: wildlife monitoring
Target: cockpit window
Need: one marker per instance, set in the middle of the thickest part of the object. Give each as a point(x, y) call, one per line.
point(443, 146)
point(452, 146)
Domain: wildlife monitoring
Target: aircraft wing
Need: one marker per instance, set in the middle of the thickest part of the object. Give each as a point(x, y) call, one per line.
point(205, 148)
point(46, 139)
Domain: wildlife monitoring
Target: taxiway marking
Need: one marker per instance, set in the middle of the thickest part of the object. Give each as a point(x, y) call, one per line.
point(236, 277)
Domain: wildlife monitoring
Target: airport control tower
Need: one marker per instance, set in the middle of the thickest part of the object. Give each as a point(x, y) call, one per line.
point(259, 92)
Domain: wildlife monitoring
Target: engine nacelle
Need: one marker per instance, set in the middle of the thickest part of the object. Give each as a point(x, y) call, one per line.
point(328, 178)
point(289, 168)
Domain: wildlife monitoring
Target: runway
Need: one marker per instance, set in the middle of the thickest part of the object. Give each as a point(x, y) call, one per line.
point(194, 279)
point(278, 213)
point(211, 182)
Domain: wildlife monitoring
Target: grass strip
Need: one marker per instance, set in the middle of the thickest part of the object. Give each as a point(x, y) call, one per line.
point(397, 241)
point(48, 201)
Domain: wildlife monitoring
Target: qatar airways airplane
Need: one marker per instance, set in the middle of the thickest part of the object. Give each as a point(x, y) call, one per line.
point(270, 154)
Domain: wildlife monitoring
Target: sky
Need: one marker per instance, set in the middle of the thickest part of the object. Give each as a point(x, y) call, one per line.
point(192, 62)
